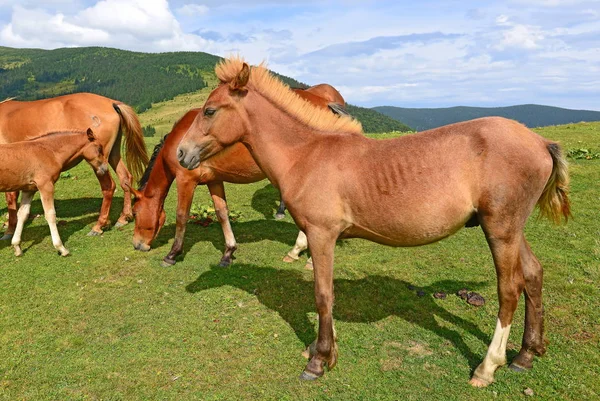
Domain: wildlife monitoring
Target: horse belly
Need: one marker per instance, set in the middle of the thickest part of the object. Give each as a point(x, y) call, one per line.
point(411, 222)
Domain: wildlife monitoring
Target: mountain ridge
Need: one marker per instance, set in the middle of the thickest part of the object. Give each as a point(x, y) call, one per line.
point(532, 115)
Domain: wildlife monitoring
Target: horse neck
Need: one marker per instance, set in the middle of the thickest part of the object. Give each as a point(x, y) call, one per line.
point(160, 179)
point(66, 148)
point(277, 140)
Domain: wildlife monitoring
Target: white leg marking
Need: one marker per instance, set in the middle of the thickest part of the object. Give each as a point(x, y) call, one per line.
point(496, 355)
point(300, 245)
point(22, 216)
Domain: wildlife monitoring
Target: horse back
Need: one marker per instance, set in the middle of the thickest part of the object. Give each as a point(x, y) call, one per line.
point(22, 120)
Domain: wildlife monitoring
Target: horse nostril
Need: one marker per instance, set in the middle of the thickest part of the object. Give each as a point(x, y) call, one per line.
point(180, 154)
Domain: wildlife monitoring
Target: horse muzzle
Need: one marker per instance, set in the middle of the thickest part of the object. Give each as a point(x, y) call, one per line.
point(140, 246)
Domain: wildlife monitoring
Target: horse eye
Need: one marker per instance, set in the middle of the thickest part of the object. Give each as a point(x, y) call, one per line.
point(209, 112)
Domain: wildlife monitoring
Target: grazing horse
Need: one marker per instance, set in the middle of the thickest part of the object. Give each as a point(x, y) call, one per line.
point(110, 119)
point(232, 165)
point(35, 165)
point(406, 191)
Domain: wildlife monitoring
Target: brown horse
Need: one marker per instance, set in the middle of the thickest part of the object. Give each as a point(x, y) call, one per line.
point(110, 119)
point(233, 165)
point(407, 191)
point(35, 165)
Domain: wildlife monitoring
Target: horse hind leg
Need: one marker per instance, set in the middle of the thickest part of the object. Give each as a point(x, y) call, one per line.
point(300, 245)
point(506, 253)
point(47, 195)
point(533, 336)
point(22, 216)
point(126, 182)
point(11, 204)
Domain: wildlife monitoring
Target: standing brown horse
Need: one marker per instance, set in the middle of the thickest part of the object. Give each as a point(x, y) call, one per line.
point(233, 165)
point(109, 119)
point(407, 191)
point(35, 165)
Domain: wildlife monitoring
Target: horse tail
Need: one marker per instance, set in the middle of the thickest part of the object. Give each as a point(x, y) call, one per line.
point(337, 108)
point(554, 202)
point(136, 155)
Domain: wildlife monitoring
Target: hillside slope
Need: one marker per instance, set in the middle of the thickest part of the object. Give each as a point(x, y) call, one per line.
point(139, 79)
point(532, 115)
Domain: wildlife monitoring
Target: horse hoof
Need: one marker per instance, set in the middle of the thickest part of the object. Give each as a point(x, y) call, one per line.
point(308, 376)
point(167, 262)
point(516, 368)
point(289, 259)
point(479, 383)
point(279, 216)
point(118, 224)
point(225, 263)
point(94, 233)
point(64, 253)
point(6, 237)
point(309, 266)
point(18, 252)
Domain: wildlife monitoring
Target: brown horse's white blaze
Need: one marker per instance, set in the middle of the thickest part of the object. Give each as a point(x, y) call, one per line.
point(35, 165)
point(406, 191)
point(110, 121)
point(235, 164)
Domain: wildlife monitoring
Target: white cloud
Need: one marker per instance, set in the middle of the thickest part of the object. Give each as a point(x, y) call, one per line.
point(192, 10)
point(146, 25)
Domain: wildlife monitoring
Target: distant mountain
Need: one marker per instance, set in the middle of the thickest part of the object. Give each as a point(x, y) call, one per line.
point(532, 115)
point(139, 79)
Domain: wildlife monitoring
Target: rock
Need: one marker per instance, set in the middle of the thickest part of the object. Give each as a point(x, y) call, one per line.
point(421, 293)
point(475, 299)
point(463, 293)
point(440, 295)
point(528, 392)
point(411, 287)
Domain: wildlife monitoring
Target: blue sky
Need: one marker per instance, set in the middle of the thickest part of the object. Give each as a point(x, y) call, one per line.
point(410, 54)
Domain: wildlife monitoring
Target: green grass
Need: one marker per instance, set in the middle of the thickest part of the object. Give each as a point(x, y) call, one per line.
point(109, 323)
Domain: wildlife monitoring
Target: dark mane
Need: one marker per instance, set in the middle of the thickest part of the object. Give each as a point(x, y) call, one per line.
point(155, 152)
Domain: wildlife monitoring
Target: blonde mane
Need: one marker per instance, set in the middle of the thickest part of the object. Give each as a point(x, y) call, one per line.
point(277, 92)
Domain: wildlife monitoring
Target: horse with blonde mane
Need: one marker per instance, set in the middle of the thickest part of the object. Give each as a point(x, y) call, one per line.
point(233, 165)
point(35, 165)
point(111, 120)
point(408, 191)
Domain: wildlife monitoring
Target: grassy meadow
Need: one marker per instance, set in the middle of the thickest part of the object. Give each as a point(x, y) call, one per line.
point(109, 323)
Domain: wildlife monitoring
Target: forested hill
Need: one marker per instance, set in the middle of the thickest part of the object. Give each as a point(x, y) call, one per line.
point(532, 115)
point(138, 79)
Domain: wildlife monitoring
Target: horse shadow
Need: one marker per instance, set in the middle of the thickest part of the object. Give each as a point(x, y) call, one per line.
point(266, 201)
point(244, 232)
point(365, 300)
point(84, 208)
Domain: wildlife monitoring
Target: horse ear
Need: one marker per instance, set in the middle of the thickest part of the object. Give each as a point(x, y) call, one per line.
point(241, 80)
point(90, 135)
point(137, 195)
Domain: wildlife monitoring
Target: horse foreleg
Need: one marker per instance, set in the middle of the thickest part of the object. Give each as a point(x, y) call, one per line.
point(11, 204)
point(108, 190)
point(47, 195)
point(185, 195)
point(22, 216)
point(322, 244)
point(126, 181)
point(281, 210)
point(533, 335)
point(505, 250)
point(217, 192)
